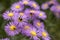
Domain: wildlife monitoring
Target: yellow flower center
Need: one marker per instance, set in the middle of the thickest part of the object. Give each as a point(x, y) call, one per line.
point(32, 11)
point(10, 14)
point(12, 27)
point(44, 34)
point(38, 24)
point(45, 5)
point(17, 6)
point(21, 14)
point(26, 27)
point(40, 14)
point(33, 33)
point(25, 2)
point(34, 5)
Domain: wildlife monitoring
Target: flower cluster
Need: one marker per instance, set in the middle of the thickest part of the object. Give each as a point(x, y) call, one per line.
point(54, 7)
point(26, 18)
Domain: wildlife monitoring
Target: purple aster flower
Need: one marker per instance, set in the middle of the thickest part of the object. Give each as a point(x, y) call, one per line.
point(52, 8)
point(54, 2)
point(21, 18)
point(30, 13)
point(41, 14)
point(34, 5)
point(38, 24)
point(45, 6)
point(17, 6)
point(5, 39)
point(25, 28)
point(44, 34)
point(55, 8)
point(32, 33)
point(8, 15)
point(11, 29)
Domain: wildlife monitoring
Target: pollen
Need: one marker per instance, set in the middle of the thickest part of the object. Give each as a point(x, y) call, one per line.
point(10, 14)
point(26, 27)
point(17, 6)
point(25, 2)
point(34, 5)
point(21, 14)
point(44, 34)
point(38, 23)
point(12, 27)
point(33, 33)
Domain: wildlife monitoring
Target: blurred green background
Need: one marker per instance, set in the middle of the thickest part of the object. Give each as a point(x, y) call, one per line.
point(52, 24)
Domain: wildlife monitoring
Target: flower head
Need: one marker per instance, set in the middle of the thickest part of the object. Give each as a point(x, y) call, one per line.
point(38, 24)
point(9, 15)
point(54, 2)
point(34, 5)
point(45, 6)
point(11, 29)
point(21, 18)
point(30, 13)
point(55, 8)
point(17, 6)
point(41, 15)
point(45, 35)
